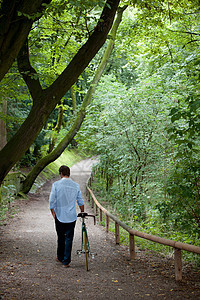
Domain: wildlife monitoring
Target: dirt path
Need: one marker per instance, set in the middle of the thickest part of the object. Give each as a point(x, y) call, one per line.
point(29, 270)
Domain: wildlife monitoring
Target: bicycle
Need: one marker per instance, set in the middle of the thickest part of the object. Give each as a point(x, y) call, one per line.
point(85, 246)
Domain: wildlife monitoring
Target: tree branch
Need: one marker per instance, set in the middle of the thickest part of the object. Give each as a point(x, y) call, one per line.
point(192, 41)
point(14, 28)
point(28, 73)
point(186, 32)
point(86, 52)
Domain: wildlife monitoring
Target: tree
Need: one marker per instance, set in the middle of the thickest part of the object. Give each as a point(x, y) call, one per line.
point(128, 137)
point(41, 164)
point(45, 100)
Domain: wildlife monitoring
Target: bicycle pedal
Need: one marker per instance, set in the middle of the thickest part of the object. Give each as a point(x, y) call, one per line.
point(93, 255)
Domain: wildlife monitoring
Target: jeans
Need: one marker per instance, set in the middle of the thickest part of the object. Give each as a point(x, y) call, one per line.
point(65, 234)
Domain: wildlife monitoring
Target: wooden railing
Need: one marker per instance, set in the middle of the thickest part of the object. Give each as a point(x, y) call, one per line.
point(178, 246)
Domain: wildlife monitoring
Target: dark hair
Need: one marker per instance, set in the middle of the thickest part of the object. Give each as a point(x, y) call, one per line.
point(65, 170)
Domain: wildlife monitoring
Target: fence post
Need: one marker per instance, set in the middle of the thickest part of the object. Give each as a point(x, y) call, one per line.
point(178, 264)
point(132, 246)
point(100, 215)
point(107, 223)
point(92, 205)
point(96, 211)
point(117, 233)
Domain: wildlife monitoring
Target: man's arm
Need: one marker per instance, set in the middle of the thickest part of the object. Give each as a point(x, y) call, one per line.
point(52, 198)
point(80, 199)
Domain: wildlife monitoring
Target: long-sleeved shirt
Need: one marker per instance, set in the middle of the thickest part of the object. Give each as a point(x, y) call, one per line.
point(63, 197)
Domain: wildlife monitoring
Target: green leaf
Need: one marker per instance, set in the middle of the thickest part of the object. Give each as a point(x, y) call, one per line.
point(176, 117)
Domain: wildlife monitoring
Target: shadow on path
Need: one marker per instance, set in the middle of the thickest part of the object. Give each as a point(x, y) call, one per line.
point(29, 270)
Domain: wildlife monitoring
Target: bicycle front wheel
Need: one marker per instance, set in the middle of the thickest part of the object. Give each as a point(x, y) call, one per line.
point(85, 249)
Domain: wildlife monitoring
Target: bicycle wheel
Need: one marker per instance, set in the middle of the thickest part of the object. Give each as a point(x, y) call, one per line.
point(85, 249)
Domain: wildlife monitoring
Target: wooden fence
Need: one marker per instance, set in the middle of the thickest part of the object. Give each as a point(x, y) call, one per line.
point(178, 246)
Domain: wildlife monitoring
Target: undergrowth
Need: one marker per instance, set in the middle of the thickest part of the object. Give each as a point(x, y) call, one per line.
point(7, 196)
point(152, 223)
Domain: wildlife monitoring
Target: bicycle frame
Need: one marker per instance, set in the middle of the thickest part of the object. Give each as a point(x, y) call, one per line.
point(85, 230)
point(85, 246)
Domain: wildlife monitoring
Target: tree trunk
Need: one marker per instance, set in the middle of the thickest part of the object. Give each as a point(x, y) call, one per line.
point(44, 101)
point(15, 27)
point(57, 127)
point(80, 116)
point(3, 131)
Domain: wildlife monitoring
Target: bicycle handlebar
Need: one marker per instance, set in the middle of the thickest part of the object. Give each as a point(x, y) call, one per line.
point(84, 215)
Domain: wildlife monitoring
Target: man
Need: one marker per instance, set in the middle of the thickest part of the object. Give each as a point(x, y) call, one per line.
point(62, 203)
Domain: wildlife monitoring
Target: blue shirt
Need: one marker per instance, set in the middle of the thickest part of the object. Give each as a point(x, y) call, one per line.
point(64, 195)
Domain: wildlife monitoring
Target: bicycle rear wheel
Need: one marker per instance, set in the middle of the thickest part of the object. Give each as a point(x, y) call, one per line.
point(85, 249)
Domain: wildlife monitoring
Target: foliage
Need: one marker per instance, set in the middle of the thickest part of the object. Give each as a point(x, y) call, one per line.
point(128, 136)
point(145, 130)
point(153, 224)
point(182, 208)
point(7, 197)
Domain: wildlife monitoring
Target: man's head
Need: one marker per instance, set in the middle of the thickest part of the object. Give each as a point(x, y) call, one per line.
point(64, 170)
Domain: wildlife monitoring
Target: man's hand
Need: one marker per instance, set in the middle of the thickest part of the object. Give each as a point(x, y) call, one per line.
point(82, 208)
point(53, 213)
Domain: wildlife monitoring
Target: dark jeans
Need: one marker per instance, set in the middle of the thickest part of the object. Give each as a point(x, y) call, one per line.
point(65, 234)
